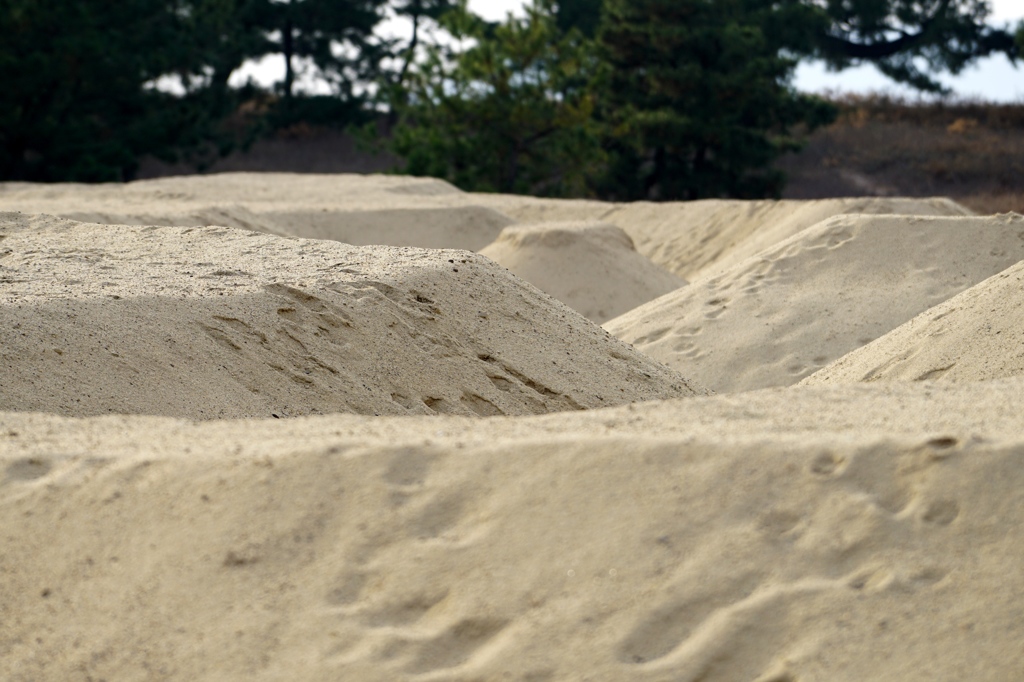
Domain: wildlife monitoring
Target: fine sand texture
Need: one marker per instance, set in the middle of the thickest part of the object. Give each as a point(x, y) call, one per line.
point(793, 308)
point(689, 239)
point(975, 336)
point(591, 267)
point(359, 210)
point(822, 533)
point(223, 323)
point(229, 451)
point(698, 238)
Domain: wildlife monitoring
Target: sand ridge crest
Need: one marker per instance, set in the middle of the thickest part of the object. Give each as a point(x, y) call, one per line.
point(797, 306)
point(696, 239)
point(833, 532)
point(974, 336)
point(214, 322)
point(322, 551)
point(591, 267)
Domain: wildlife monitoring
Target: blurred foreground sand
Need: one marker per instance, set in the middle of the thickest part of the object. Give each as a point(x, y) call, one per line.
point(544, 501)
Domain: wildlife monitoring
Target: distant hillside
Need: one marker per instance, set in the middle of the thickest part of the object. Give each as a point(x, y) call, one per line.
point(880, 146)
point(970, 151)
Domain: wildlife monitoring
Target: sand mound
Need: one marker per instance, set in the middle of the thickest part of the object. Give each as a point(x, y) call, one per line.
point(694, 239)
point(976, 336)
point(782, 315)
point(355, 209)
point(224, 216)
point(462, 227)
point(861, 533)
point(690, 238)
point(591, 267)
point(216, 322)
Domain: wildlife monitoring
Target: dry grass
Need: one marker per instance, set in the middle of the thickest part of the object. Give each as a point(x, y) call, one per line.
point(971, 151)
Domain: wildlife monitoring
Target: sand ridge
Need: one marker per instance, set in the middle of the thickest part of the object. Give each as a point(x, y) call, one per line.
point(322, 549)
point(977, 335)
point(696, 239)
point(793, 308)
point(849, 531)
point(687, 238)
point(591, 267)
point(218, 323)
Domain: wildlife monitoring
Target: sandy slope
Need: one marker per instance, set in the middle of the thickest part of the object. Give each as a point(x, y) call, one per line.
point(356, 209)
point(216, 322)
point(591, 267)
point(686, 238)
point(797, 306)
point(848, 533)
point(976, 336)
point(696, 239)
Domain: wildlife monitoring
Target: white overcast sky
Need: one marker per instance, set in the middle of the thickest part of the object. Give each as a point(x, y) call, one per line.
point(993, 79)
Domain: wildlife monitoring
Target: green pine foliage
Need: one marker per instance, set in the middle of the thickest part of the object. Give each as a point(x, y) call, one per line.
point(511, 113)
point(698, 102)
point(907, 40)
point(79, 101)
point(627, 99)
point(73, 105)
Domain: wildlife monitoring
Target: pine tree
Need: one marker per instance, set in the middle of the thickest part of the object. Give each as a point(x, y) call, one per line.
point(698, 99)
point(511, 113)
point(907, 40)
point(76, 102)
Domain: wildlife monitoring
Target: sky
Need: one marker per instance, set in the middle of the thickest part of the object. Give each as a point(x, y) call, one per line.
point(993, 79)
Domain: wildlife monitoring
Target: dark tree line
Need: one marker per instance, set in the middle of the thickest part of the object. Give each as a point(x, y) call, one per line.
point(624, 99)
point(78, 95)
point(665, 99)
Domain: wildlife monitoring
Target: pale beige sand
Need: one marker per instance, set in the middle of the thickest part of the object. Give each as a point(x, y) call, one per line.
point(843, 533)
point(698, 238)
point(795, 307)
point(220, 323)
point(591, 267)
point(356, 209)
point(689, 239)
point(975, 336)
point(821, 533)
point(457, 227)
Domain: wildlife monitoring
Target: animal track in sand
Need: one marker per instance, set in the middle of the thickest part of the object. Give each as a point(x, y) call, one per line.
point(827, 464)
point(348, 589)
point(407, 611)
point(941, 512)
point(653, 336)
point(438, 516)
point(838, 238)
point(455, 645)
point(859, 539)
point(535, 392)
point(937, 373)
point(29, 469)
point(480, 405)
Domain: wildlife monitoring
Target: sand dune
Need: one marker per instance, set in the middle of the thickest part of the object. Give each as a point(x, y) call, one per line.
point(698, 238)
point(219, 323)
point(459, 227)
point(847, 532)
point(829, 534)
point(975, 336)
point(795, 307)
point(689, 239)
point(591, 267)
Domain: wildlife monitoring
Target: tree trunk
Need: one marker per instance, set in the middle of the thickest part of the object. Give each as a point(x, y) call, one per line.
point(288, 47)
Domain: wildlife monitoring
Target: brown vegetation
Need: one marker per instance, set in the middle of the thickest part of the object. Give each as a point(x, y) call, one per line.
point(881, 145)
